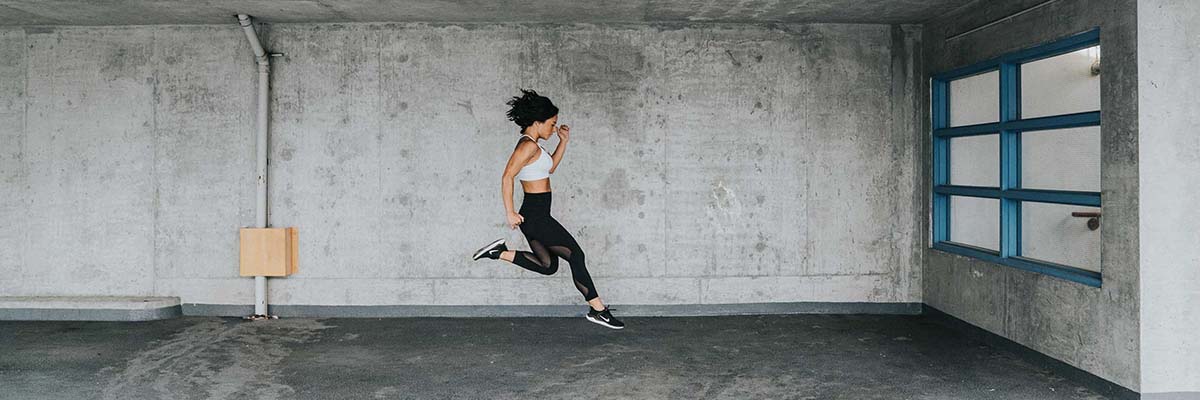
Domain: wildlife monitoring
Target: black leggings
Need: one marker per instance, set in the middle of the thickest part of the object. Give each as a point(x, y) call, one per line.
point(549, 241)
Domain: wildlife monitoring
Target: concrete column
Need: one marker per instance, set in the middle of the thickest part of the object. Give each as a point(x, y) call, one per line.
point(1169, 155)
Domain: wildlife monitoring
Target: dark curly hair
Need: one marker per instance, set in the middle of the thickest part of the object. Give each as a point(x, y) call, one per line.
point(530, 107)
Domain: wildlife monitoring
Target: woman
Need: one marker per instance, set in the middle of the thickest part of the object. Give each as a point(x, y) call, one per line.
point(548, 240)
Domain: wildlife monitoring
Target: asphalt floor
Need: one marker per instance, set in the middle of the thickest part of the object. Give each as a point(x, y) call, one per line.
point(729, 357)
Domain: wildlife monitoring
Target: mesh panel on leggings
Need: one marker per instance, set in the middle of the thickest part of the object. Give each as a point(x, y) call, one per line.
point(539, 260)
point(565, 253)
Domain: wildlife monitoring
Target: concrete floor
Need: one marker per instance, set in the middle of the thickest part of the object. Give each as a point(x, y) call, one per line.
point(737, 357)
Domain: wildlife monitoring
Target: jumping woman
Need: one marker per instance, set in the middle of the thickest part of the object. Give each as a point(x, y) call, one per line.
point(548, 240)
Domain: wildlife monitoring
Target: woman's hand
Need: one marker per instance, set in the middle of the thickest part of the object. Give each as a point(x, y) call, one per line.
point(514, 219)
point(564, 133)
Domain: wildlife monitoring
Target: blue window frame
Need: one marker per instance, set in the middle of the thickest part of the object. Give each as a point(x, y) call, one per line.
point(1009, 127)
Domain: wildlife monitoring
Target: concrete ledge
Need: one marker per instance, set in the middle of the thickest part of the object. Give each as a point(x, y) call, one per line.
point(1172, 396)
point(630, 310)
point(88, 308)
point(1091, 381)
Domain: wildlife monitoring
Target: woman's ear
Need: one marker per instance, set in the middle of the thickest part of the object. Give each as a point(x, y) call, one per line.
point(540, 125)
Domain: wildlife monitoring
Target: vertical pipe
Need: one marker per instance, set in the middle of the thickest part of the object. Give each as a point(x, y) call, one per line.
point(264, 77)
point(260, 295)
point(260, 143)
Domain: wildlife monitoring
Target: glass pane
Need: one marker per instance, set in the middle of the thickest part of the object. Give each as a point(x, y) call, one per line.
point(1050, 233)
point(975, 160)
point(975, 99)
point(1063, 84)
point(1063, 159)
point(975, 221)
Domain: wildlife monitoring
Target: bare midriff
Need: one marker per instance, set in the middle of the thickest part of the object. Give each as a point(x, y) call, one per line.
point(538, 186)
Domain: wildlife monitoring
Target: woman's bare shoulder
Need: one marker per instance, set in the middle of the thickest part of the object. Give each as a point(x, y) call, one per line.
point(525, 151)
point(526, 145)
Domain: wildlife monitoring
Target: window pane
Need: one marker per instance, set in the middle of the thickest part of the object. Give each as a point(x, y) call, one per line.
point(975, 99)
point(1050, 233)
point(1062, 84)
point(1063, 159)
point(975, 160)
point(975, 221)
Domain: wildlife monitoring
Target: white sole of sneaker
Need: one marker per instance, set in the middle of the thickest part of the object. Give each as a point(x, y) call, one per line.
point(486, 248)
point(601, 323)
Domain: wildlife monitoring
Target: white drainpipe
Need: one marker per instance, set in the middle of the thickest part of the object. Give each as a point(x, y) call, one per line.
point(260, 209)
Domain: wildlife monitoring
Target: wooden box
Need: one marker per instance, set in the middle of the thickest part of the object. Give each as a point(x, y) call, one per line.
point(269, 251)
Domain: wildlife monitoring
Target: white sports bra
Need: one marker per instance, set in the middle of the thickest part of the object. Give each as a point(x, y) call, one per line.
point(540, 168)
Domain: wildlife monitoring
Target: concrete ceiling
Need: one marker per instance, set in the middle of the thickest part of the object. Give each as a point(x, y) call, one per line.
point(150, 12)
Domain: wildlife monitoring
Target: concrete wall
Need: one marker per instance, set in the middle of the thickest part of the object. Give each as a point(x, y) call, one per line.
point(710, 163)
point(1095, 329)
point(120, 149)
point(1169, 143)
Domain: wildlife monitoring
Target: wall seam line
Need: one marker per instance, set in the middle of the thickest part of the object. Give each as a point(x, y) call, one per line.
point(25, 98)
point(379, 147)
point(894, 253)
point(154, 163)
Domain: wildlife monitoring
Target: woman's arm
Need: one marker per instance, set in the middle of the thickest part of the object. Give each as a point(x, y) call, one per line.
point(564, 135)
point(520, 156)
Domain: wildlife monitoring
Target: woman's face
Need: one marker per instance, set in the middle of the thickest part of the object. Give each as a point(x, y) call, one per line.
point(544, 129)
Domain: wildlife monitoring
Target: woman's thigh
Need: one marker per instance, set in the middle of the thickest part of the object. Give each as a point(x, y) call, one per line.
point(548, 232)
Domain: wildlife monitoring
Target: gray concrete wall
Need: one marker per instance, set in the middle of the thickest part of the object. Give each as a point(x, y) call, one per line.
point(1095, 329)
point(710, 163)
point(1168, 55)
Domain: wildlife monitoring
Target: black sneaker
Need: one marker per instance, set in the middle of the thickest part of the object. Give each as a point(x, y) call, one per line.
point(603, 317)
point(492, 250)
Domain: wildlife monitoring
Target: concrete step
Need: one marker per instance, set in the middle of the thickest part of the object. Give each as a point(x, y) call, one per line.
point(88, 308)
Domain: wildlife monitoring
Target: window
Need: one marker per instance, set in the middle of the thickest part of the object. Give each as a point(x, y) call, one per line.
point(1016, 159)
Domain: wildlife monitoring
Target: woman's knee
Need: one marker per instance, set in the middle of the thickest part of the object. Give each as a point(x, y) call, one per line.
point(551, 267)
